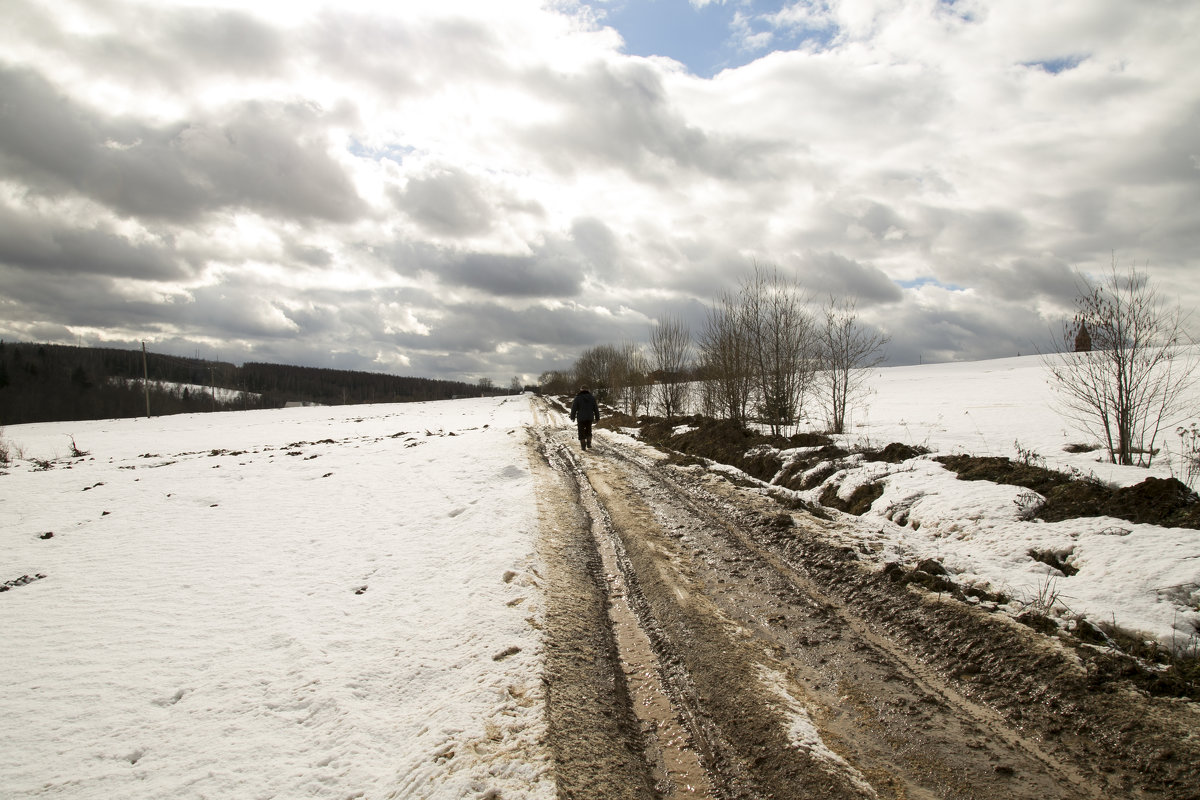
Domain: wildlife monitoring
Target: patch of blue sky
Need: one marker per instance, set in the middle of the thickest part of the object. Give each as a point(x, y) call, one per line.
point(1056, 65)
point(709, 37)
point(396, 152)
point(925, 280)
point(958, 9)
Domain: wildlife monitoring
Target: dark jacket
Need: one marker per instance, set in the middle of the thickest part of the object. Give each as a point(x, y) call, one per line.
point(584, 407)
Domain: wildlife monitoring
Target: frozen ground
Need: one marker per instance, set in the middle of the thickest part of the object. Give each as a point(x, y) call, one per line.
point(344, 602)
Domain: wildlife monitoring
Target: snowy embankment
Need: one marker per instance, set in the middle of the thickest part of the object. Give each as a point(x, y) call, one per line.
point(194, 389)
point(1142, 577)
point(319, 602)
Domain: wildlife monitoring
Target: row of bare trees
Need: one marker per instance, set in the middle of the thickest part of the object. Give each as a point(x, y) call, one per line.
point(762, 356)
point(1123, 372)
point(764, 353)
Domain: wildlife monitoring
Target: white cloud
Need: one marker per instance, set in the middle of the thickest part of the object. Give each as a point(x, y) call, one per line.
point(477, 168)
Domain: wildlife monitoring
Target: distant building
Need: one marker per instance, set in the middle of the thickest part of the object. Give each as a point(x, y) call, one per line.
point(1083, 340)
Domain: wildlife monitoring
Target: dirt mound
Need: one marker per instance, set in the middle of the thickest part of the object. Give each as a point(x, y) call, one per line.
point(1073, 499)
point(859, 502)
point(726, 442)
point(1002, 470)
point(1158, 501)
point(1154, 501)
point(895, 453)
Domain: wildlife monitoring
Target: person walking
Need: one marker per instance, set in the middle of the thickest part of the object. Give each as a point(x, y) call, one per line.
point(584, 411)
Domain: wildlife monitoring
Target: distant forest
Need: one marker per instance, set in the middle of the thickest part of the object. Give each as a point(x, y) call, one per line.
point(52, 383)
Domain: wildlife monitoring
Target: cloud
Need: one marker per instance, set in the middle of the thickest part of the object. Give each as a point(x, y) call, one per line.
point(546, 273)
point(48, 247)
point(619, 115)
point(267, 157)
point(447, 201)
point(829, 274)
point(461, 188)
point(598, 245)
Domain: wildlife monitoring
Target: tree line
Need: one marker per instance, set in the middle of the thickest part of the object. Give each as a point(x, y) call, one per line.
point(763, 355)
point(51, 383)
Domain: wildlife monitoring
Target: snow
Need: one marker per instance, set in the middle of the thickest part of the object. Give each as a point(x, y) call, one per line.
point(1142, 577)
point(200, 631)
point(194, 389)
point(340, 602)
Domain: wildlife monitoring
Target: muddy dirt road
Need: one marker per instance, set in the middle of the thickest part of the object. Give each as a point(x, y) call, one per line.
point(704, 642)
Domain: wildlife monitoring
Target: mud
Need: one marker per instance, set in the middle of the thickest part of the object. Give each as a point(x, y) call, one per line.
point(794, 668)
point(594, 734)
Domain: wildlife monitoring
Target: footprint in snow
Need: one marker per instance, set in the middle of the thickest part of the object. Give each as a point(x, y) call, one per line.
point(503, 654)
point(172, 700)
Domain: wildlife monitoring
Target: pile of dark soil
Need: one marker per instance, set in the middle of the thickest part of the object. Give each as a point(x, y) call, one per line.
point(1155, 501)
point(859, 502)
point(726, 442)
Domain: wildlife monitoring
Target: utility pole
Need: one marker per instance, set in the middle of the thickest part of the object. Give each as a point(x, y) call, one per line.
point(146, 379)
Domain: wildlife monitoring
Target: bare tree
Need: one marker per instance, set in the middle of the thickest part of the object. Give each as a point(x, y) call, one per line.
point(515, 386)
point(601, 368)
point(725, 359)
point(848, 353)
point(1131, 383)
point(616, 375)
point(554, 381)
point(783, 345)
point(636, 395)
point(670, 352)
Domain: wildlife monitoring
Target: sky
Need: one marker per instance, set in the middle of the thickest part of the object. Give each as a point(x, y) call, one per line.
point(465, 188)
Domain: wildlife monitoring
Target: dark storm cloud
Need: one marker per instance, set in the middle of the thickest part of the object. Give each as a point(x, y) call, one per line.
point(449, 202)
point(975, 328)
point(597, 244)
point(86, 301)
point(1027, 279)
point(267, 157)
point(160, 45)
point(212, 41)
point(47, 246)
point(233, 312)
point(272, 158)
point(544, 274)
point(824, 274)
point(487, 338)
point(308, 254)
point(619, 115)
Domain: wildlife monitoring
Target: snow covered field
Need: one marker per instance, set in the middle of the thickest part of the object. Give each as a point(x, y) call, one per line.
point(316, 602)
point(343, 602)
point(1143, 577)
